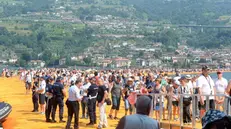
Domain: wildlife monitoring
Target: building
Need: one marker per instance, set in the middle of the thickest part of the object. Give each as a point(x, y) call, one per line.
point(37, 63)
point(121, 62)
point(153, 62)
point(13, 60)
point(62, 61)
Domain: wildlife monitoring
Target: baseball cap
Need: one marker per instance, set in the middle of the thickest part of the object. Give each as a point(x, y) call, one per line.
point(205, 67)
point(182, 78)
point(59, 78)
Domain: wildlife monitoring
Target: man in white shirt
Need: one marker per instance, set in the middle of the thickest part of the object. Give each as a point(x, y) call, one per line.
point(206, 87)
point(41, 90)
point(220, 86)
point(85, 98)
point(72, 103)
point(28, 82)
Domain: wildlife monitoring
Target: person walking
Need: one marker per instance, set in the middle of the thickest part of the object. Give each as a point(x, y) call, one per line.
point(220, 85)
point(116, 94)
point(92, 93)
point(101, 97)
point(128, 89)
point(58, 96)
point(72, 103)
point(28, 82)
point(185, 89)
point(206, 87)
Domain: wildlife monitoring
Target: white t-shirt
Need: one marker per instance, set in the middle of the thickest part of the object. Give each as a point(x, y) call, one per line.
point(84, 88)
point(190, 85)
point(221, 85)
point(28, 78)
point(206, 85)
point(43, 86)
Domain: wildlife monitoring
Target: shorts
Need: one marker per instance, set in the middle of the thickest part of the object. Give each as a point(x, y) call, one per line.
point(116, 102)
point(175, 103)
point(157, 107)
point(41, 98)
point(211, 105)
point(28, 85)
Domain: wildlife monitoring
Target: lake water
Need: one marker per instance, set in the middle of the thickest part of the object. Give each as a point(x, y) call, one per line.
point(226, 75)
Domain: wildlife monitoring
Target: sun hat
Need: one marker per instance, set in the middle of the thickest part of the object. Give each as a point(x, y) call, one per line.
point(212, 116)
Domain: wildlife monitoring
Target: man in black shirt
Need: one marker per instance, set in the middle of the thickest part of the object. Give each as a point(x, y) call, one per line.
point(92, 95)
point(35, 95)
point(48, 98)
point(102, 95)
point(58, 96)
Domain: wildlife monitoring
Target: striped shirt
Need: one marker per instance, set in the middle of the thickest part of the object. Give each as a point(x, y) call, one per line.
point(74, 93)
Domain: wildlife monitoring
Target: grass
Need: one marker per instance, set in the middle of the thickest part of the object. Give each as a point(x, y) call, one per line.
point(16, 27)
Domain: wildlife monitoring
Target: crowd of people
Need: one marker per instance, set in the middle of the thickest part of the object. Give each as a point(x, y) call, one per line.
point(91, 89)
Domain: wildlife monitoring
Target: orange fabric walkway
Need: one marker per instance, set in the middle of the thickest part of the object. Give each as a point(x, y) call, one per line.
point(13, 91)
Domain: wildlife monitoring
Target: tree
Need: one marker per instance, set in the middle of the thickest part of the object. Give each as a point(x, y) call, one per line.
point(87, 60)
point(22, 63)
point(26, 56)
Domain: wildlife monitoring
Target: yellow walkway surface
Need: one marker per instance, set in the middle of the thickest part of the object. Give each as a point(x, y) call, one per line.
point(12, 91)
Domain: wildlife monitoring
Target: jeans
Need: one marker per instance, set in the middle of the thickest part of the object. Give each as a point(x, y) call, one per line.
point(73, 109)
point(84, 106)
point(102, 115)
point(116, 102)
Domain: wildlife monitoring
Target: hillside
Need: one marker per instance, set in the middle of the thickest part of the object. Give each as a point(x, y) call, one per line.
point(53, 29)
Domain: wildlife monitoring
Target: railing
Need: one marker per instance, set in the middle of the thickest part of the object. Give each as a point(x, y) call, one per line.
point(195, 113)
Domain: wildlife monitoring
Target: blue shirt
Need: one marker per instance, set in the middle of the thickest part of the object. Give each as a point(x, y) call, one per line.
point(57, 90)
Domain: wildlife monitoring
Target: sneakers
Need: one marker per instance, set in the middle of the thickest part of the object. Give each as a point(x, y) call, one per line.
point(34, 111)
point(116, 118)
point(53, 121)
point(100, 127)
point(62, 121)
point(42, 113)
point(48, 120)
point(176, 119)
point(110, 116)
point(89, 124)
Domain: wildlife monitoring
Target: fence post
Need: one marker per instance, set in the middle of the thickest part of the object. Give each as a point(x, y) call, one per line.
point(160, 106)
point(181, 111)
point(207, 103)
point(193, 111)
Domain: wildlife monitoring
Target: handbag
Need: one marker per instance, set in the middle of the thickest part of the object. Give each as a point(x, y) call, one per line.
point(108, 101)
